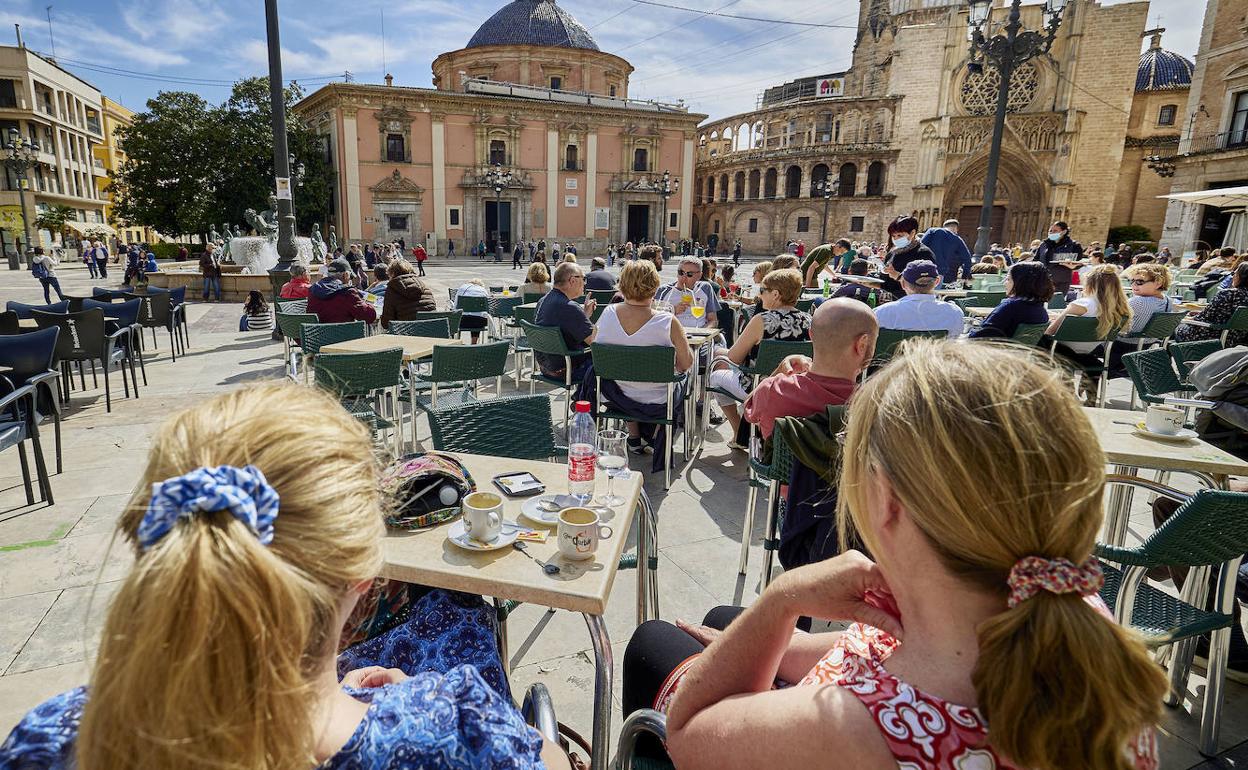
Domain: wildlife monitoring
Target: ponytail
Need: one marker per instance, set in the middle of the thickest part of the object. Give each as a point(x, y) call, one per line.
point(1062, 686)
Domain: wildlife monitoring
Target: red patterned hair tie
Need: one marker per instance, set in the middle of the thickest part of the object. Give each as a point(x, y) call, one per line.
point(1033, 574)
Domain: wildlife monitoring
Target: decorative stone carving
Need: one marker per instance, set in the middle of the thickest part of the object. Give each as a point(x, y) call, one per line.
point(979, 89)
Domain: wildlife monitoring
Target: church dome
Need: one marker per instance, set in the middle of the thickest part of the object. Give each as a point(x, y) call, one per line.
point(1162, 70)
point(533, 22)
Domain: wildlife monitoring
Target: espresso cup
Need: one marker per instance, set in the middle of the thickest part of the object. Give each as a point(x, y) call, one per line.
point(578, 533)
point(1166, 420)
point(483, 516)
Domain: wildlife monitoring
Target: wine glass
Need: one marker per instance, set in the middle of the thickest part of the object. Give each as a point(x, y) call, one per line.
point(612, 458)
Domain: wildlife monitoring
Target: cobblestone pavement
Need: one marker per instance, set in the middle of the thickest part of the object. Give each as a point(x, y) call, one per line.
point(58, 567)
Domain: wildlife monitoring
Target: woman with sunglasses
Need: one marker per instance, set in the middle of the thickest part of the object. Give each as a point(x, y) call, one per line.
point(1149, 282)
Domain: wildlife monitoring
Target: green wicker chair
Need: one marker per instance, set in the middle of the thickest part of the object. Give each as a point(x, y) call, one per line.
point(1160, 326)
point(1029, 334)
point(639, 723)
point(513, 426)
point(429, 327)
point(358, 379)
point(290, 324)
point(531, 296)
point(771, 476)
point(290, 305)
point(976, 300)
point(313, 336)
point(1238, 322)
point(520, 341)
point(521, 313)
point(603, 296)
point(453, 317)
point(992, 297)
point(1188, 354)
point(472, 304)
point(634, 363)
point(1152, 374)
point(502, 310)
point(890, 339)
point(1083, 329)
point(805, 305)
point(1210, 529)
point(770, 354)
point(1058, 301)
point(454, 366)
point(549, 341)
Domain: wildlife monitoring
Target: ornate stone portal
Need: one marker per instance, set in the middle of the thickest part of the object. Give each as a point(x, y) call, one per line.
point(396, 209)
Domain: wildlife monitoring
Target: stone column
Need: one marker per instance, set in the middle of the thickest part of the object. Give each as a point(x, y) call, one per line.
point(861, 181)
point(686, 187)
point(552, 185)
point(351, 163)
point(591, 182)
point(439, 180)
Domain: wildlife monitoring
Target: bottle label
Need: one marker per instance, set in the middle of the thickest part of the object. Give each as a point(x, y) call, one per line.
point(581, 468)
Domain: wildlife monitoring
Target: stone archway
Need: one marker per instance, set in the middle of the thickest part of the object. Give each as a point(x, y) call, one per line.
point(1018, 206)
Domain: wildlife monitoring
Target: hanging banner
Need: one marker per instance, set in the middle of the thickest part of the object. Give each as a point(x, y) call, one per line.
point(11, 218)
point(825, 87)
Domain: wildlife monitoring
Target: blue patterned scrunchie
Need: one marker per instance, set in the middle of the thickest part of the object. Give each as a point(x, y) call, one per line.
point(243, 492)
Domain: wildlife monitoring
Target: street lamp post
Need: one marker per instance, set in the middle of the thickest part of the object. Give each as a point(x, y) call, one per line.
point(498, 179)
point(281, 159)
point(20, 155)
point(1006, 52)
point(667, 188)
point(825, 188)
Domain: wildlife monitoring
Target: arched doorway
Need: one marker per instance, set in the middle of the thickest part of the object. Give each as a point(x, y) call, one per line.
point(1018, 204)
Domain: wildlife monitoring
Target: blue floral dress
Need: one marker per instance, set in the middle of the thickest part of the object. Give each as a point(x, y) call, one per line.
point(451, 721)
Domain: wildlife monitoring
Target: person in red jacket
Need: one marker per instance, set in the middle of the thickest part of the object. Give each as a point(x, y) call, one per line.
point(420, 255)
point(334, 300)
point(298, 286)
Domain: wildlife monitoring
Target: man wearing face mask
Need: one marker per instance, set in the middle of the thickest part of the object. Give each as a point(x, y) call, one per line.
point(903, 232)
point(1060, 253)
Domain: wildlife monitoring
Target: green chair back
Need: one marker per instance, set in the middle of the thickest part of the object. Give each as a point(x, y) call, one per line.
point(890, 339)
point(290, 305)
point(314, 336)
point(1081, 329)
point(1188, 354)
point(430, 327)
point(473, 304)
point(603, 296)
point(359, 374)
point(975, 300)
point(545, 339)
point(1029, 334)
point(521, 313)
point(780, 466)
point(772, 352)
point(452, 317)
point(291, 323)
point(1152, 373)
point(1211, 293)
point(804, 305)
point(1239, 321)
point(532, 296)
point(1209, 529)
point(504, 307)
point(1058, 302)
point(520, 427)
point(992, 297)
point(634, 363)
point(452, 363)
point(1160, 326)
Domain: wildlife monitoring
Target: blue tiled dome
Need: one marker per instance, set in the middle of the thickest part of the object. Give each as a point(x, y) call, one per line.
point(533, 22)
point(1162, 70)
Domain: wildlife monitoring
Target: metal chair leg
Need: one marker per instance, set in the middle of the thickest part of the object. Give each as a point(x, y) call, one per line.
point(21, 454)
point(747, 529)
point(770, 540)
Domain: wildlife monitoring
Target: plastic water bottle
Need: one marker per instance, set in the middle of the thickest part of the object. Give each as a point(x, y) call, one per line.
point(827, 288)
point(582, 453)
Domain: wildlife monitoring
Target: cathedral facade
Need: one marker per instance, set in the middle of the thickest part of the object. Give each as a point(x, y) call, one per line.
point(907, 130)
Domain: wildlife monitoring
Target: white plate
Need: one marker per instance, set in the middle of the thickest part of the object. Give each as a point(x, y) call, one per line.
point(534, 512)
point(459, 537)
point(1184, 434)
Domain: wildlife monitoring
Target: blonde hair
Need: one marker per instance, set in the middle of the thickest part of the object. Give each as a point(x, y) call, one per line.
point(763, 267)
point(1150, 271)
point(399, 266)
point(787, 282)
point(212, 646)
point(537, 273)
point(784, 262)
point(1103, 283)
point(1060, 685)
point(639, 280)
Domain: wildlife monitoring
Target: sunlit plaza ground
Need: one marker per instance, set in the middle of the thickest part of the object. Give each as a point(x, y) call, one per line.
point(59, 565)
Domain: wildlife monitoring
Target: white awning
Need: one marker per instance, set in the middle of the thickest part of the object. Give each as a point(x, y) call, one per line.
point(90, 228)
point(1227, 196)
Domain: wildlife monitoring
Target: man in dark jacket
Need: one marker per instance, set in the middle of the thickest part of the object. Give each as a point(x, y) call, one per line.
point(950, 251)
point(1059, 252)
point(334, 300)
point(598, 277)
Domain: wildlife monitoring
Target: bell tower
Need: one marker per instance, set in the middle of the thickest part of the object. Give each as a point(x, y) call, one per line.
point(868, 76)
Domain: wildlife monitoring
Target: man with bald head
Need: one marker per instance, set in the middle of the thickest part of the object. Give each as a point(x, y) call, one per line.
point(843, 332)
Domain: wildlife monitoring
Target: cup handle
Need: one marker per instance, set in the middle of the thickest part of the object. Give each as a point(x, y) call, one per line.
point(495, 519)
point(609, 532)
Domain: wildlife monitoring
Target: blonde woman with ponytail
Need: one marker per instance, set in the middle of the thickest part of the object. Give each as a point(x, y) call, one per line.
point(1102, 298)
point(978, 639)
point(255, 535)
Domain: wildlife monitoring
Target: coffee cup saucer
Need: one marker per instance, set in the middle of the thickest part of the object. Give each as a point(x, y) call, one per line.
point(1184, 434)
point(458, 535)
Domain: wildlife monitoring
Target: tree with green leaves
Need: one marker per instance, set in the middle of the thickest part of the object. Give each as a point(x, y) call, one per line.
point(191, 165)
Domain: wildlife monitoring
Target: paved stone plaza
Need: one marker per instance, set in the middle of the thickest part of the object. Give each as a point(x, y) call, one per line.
point(59, 566)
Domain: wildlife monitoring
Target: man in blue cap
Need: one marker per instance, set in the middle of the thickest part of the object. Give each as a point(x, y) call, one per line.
point(950, 251)
point(920, 310)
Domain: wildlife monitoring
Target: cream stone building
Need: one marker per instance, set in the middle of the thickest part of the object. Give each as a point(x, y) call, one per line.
point(907, 129)
point(1214, 149)
point(532, 95)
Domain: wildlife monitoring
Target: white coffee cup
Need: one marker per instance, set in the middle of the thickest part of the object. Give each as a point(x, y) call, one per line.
point(1163, 419)
point(483, 516)
point(579, 531)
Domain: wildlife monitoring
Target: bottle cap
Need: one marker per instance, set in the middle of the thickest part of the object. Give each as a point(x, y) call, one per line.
point(582, 406)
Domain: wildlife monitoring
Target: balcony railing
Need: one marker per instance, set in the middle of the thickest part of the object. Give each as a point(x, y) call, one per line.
point(1227, 140)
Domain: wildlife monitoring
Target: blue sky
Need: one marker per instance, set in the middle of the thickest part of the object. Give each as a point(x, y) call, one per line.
point(719, 66)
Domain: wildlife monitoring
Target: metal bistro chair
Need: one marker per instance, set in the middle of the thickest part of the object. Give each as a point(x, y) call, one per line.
point(1083, 329)
point(1158, 329)
point(548, 340)
point(290, 305)
point(978, 300)
point(502, 310)
point(314, 336)
point(520, 341)
point(291, 325)
point(30, 359)
point(469, 304)
point(1058, 301)
point(1238, 323)
point(632, 363)
point(17, 426)
point(1029, 334)
point(1187, 354)
point(83, 338)
point(454, 367)
point(991, 297)
point(772, 476)
point(453, 317)
point(431, 327)
point(601, 296)
point(359, 379)
point(1210, 529)
point(890, 340)
point(1152, 375)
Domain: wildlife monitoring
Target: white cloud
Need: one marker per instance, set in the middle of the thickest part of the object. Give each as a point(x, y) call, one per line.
point(174, 22)
point(82, 38)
